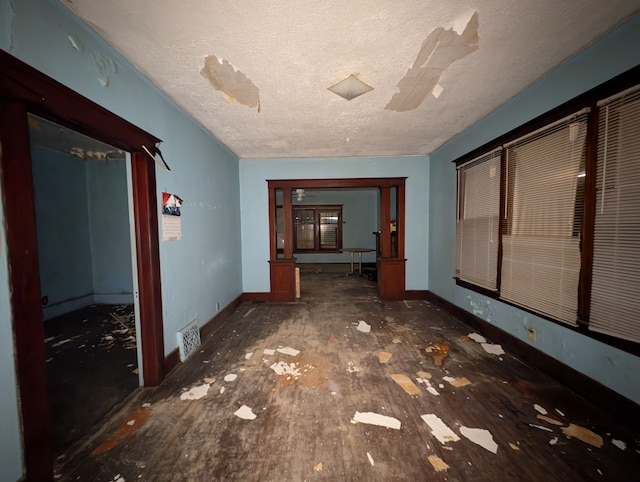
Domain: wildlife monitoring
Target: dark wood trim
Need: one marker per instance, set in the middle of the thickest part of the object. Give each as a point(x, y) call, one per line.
point(385, 221)
point(589, 216)
point(287, 212)
point(31, 91)
point(337, 183)
point(24, 283)
point(256, 297)
point(148, 261)
point(391, 279)
point(277, 274)
point(171, 361)
point(416, 295)
point(50, 99)
point(603, 397)
point(214, 323)
point(283, 282)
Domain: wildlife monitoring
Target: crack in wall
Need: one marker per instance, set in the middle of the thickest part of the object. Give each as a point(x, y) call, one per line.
point(439, 50)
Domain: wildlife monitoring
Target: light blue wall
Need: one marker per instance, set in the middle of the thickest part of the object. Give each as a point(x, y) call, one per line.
point(360, 220)
point(255, 220)
point(202, 269)
point(611, 367)
point(64, 244)
point(108, 213)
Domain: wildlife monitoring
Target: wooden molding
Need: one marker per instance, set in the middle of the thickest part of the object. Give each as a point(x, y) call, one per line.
point(256, 297)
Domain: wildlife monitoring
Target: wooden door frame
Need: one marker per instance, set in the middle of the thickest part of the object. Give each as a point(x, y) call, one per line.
point(24, 90)
point(391, 268)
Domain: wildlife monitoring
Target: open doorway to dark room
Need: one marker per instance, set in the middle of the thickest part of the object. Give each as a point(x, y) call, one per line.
point(86, 279)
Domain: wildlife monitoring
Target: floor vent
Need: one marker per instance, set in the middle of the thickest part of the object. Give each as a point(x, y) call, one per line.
point(188, 340)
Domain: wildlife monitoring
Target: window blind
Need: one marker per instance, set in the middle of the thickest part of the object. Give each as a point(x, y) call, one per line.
point(541, 245)
point(616, 259)
point(477, 221)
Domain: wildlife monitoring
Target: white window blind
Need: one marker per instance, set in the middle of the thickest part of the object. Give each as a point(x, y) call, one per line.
point(477, 228)
point(541, 246)
point(616, 260)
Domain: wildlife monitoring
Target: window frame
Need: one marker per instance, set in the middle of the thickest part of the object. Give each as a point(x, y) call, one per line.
point(587, 100)
point(317, 247)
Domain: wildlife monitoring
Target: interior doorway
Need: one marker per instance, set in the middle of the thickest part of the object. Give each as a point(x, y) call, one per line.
point(87, 282)
point(26, 91)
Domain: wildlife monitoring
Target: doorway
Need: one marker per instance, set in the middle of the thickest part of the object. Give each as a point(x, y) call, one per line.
point(87, 283)
point(27, 91)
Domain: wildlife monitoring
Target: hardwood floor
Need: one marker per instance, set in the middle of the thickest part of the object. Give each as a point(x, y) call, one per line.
point(308, 416)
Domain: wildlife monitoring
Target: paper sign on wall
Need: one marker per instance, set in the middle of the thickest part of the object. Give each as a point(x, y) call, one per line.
point(171, 221)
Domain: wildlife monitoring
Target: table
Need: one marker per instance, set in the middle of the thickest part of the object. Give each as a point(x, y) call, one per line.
point(352, 251)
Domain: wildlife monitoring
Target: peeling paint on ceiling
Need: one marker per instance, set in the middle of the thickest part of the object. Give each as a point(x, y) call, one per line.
point(233, 84)
point(440, 49)
point(437, 66)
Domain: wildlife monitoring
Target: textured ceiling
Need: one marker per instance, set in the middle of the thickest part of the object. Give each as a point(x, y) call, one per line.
point(256, 73)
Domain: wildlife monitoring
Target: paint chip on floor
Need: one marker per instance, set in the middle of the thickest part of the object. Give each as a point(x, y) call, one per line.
point(230, 377)
point(550, 420)
point(540, 409)
point(493, 349)
point(425, 375)
point(269, 351)
point(384, 356)
point(439, 429)
point(370, 458)
point(209, 380)
point(372, 418)
point(282, 368)
point(584, 434)
point(406, 384)
point(481, 437)
point(248, 356)
point(457, 382)
point(540, 427)
point(514, 447)
point(195, 393)
point(396, 341)
point(363, 327)
point(287, 350)
point(318, 467)
point(620, 444)
point(438, 464)
point(477, 337)
point(245, 413)
point(553, 441)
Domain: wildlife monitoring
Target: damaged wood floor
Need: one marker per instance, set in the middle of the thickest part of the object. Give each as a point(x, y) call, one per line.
point(350, 388)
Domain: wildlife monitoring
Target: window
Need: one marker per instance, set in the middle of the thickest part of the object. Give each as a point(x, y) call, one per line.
point(315, 228)
point(477, 223)
point(616, 256)
point(548, 216)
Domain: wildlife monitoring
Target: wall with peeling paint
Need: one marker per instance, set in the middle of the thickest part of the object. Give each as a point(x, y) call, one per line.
point(202, 269)
point(613, 368)
point(255, 221)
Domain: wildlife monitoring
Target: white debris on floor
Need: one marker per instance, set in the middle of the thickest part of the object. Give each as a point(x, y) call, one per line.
point(195, 393)
point(230, 377)
point(245, 413)
point(370, 459)
point(477, 337)
point(289, 351)
point(247, 356)
point(363, 327)
point(372, 418)
point(268, 351)
point(282, 368)
point(540, 409)
point(439, 429)
point(493, 349)
point(620, 444)
point(481, 437)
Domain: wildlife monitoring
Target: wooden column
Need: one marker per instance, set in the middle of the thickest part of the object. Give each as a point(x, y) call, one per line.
point(24, 283)
point(282, 271)
point(391, 270)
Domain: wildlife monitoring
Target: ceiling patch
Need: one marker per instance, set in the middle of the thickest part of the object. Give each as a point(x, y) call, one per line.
point(439, 50)
point(233, 84)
